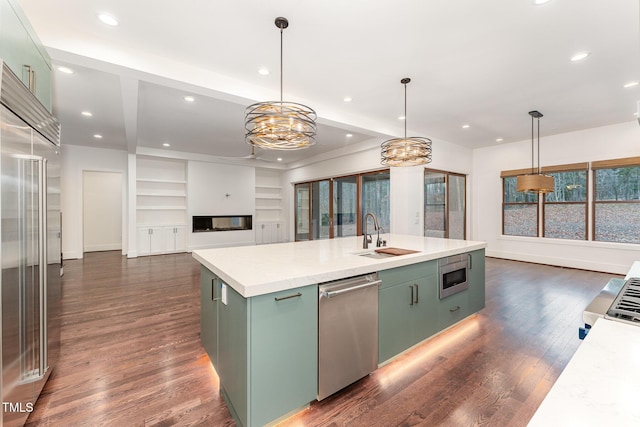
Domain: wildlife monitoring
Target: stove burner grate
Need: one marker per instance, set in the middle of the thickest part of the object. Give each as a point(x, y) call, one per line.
point(626, 306)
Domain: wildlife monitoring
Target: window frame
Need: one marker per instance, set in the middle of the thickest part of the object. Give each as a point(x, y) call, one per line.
point(446, 174)
point(359, 213)
point(609, 164)
point(574, 167)
point(512, 174)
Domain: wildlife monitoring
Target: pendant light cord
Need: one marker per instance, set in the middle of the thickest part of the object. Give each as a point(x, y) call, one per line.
point(532, 152)
point(405, 111)
point(281, 67)
point(538, 146)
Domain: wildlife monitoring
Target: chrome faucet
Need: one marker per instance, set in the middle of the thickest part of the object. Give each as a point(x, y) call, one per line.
point(367, 236)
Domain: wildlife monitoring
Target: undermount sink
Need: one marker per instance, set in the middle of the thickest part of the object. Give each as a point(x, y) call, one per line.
point(376, 255)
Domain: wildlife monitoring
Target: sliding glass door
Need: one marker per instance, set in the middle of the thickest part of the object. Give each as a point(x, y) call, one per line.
point(335, 207)
point(444, 204)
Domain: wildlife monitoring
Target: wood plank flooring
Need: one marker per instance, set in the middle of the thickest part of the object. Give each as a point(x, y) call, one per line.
point(131, 353)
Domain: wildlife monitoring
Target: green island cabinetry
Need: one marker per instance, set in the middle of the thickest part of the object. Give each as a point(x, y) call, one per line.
point(265, 348)
point(409, 307)
point(22, 51)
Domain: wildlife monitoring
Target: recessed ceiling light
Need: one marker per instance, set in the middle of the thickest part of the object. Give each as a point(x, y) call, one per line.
point(107, 19)
point(401, 118)
point(631, 84)
point(65, 70)
point(263, 71)
point(539, 2)
point(189, 98)
point(87, 113)
point(499, 140)
point(279, 159)
point(97, 136)
point(580, 56)
point(348, 99)
point(466, 126)
point(166, 144)
point(349, 135)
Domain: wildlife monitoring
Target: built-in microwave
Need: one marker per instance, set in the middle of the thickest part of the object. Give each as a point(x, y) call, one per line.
point(453, 274)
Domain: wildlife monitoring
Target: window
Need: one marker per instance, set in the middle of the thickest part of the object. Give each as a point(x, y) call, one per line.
point(565, 210)
point(617, 200)
point(336, 207)
point(519, 210)
point(444, 204)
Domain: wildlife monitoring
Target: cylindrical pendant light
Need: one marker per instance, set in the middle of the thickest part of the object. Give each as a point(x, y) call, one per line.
point(280, 125)
point(535, 182)
point(412, 151)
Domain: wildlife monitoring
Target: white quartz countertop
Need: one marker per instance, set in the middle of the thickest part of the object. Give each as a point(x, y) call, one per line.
point(263, 269)
point(600, 385)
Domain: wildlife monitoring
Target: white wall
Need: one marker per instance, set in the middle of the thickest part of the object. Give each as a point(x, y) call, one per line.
point(608, 142)
point(220, 189)
point(75, 160)
point(407, 212)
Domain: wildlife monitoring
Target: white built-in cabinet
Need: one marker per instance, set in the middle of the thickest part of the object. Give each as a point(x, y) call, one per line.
point(268, 222)
point(161, 205)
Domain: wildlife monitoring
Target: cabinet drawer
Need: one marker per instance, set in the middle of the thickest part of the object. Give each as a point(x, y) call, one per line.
point(453, 309)
point(399, 275)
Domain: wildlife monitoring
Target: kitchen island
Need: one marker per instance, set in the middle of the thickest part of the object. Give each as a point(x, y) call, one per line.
point(259, 311)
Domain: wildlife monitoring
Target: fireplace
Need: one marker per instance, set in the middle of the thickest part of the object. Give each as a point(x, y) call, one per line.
point(208, 223)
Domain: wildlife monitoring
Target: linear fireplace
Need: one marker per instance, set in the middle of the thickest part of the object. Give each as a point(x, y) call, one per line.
point(221, 223)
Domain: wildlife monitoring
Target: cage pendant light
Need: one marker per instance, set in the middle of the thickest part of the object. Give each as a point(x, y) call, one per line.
point(535, 182)
point(412, 151)
point(280, 125)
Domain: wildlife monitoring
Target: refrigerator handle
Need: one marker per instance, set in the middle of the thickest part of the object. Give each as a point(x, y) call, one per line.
point(42, 260)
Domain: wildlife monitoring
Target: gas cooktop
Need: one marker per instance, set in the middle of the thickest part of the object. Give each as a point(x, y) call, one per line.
point(626, 306)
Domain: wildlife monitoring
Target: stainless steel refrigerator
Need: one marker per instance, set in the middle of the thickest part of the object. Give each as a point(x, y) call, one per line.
point(30, 250)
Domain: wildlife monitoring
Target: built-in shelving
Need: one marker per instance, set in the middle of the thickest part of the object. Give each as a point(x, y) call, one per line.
point(161, 205)
point(269, 221)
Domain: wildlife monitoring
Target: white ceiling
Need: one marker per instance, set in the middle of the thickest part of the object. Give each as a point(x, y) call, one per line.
point(482, 63)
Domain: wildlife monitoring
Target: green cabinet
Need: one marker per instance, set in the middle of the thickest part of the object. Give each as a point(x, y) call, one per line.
point(476, 281)
point(453, 309)
point(264, 348)
point(23, 52)
point(209, 293)
point(407, 307)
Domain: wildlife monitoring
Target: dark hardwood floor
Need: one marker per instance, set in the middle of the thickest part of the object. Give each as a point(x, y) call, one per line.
point(131, 354)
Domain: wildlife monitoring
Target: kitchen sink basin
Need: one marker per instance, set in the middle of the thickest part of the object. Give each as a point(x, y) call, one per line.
point(376, 255)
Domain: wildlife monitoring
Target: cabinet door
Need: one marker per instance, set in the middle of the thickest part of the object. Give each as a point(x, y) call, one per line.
point(232, 352)
point(19, 50)
point(284, 352)
point(426, 303)
point(143, 241)
point(476, 281)
point(209, 292)
point(157, 240)
point(396, 320)
point(180, 239)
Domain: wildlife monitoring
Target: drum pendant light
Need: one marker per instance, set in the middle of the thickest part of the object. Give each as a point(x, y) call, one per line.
point(535, 182)
point(280, 125)
point(412, 151)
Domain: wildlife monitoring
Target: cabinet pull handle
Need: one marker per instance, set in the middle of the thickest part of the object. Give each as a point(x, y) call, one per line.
point(417, 298)
point(454, 309)
point(411, 286)
point(213, 289)
point(470, 258)
point(296, 295)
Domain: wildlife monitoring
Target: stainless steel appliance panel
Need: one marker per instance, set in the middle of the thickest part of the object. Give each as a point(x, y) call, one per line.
point(453, 275)
point(347, 332)
point(29, 250)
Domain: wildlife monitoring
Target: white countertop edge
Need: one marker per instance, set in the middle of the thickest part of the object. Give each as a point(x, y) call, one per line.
point(601, 382)
point(359, 265)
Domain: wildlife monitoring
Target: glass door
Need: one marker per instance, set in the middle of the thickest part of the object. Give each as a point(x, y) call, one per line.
point(444, 205)
point(320, 209)
point(345, 206)
point(303, 211)
point(375, 199)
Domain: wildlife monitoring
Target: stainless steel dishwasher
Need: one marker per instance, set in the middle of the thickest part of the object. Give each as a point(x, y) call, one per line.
point(347, 332)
